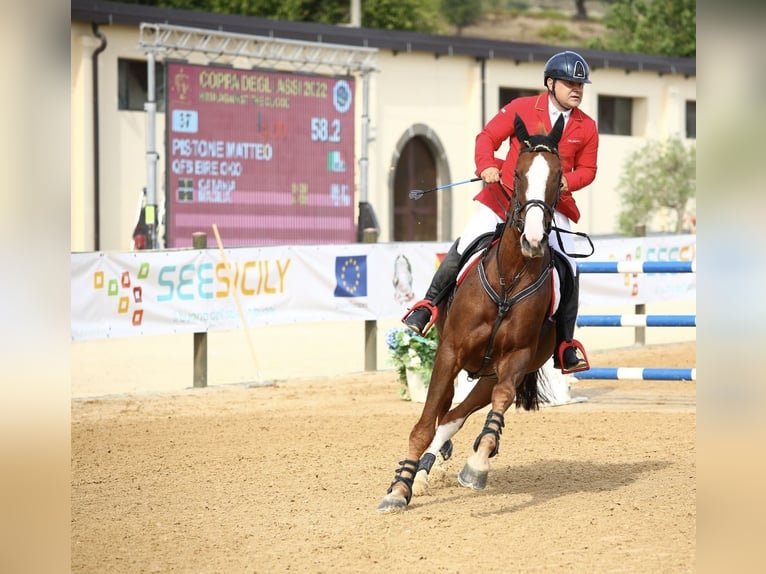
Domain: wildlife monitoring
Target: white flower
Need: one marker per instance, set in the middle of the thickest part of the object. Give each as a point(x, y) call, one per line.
point(414, 359)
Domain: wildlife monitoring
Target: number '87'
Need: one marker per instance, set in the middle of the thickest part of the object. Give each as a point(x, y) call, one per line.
point(324, 130)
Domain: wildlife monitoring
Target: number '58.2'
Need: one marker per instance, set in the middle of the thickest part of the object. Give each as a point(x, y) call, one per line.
point(324, 130)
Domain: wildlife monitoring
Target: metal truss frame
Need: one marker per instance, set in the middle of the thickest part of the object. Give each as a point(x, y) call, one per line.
point(260, 51)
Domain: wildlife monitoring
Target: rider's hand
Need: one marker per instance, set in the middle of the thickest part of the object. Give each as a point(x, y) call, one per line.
point(490, 175)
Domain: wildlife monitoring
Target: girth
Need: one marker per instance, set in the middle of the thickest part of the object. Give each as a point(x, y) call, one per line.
point(504, 304)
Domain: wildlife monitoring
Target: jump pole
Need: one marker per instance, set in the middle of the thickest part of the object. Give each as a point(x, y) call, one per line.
point(631, 373)
point(239, 307)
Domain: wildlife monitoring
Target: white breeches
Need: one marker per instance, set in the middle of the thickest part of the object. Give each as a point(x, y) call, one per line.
point(485, 221)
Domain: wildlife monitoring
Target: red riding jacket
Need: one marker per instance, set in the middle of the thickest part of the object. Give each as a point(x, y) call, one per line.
point(578, 150)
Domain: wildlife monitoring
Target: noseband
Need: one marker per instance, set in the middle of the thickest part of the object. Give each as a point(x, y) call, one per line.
point(516, 217)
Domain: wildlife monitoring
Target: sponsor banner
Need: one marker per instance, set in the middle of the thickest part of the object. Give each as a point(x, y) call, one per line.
point(639, 288)
point(162, 292)
point(186, 291)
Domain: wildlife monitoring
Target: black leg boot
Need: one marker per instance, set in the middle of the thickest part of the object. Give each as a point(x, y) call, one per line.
point(569, 354)
point(423, 313)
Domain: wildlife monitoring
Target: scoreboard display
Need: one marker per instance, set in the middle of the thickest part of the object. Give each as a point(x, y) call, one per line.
point(266, 156)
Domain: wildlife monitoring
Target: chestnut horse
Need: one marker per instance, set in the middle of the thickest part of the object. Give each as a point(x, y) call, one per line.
point(496, 327)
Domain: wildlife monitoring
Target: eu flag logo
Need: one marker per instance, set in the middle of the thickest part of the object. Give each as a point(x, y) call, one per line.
point(351, 276)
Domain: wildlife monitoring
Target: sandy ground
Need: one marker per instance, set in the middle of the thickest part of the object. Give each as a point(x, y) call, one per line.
point(287, 477)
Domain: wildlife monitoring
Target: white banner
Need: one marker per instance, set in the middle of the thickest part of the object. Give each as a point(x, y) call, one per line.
point(186, 291)
point(639, 288)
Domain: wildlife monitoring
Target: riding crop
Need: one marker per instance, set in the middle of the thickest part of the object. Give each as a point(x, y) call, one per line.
point(418, 193)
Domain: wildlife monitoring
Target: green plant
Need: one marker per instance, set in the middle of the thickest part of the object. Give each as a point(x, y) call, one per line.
point(650, 27)
point(412, 352)
point(660, 175)
point(462, 13)
point(555, 32)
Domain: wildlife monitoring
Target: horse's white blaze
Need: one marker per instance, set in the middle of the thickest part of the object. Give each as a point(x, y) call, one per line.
point(537, 178)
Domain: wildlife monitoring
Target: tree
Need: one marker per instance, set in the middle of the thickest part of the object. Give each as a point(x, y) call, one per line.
point(660, 175)
point(581, 13)
point(462, 13)
point(666, 27)
point(412, 15)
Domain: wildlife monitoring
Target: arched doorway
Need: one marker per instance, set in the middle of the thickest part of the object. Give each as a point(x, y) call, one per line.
point(419, 164)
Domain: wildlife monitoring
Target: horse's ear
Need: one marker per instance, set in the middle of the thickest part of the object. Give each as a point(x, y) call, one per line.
point(558, 129)
point(521, 130)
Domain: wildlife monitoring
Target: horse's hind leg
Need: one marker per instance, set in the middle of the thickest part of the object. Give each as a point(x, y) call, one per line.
point(476, 470)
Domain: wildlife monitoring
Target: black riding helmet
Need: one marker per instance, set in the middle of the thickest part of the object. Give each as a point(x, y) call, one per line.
point(566, 66)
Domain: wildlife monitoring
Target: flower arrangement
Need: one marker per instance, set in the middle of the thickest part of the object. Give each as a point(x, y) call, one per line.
point(412, 352)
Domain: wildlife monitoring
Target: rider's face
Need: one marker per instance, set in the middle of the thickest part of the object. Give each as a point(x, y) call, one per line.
point(566, 92)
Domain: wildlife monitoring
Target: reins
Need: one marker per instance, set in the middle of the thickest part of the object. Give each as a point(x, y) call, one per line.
point(506, 299)
point(558, 231)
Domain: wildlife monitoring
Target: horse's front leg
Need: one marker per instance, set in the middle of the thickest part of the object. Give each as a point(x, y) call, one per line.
point(475, 472)
point(400, 492)
point(441, 445)
point(438, 401)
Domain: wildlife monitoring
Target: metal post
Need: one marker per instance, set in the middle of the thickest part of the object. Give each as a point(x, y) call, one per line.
point(370, 327)
point(199, 241)
point(365, 144)
point(356, 13)
point(640, 332)
point(369, 235)
point(150, 107)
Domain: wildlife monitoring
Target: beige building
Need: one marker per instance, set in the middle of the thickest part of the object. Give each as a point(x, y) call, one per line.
point(420, 101)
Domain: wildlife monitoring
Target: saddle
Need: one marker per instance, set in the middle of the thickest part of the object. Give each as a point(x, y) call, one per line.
point(561, 273)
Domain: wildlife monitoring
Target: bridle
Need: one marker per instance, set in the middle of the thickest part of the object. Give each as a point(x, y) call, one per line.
point(517, 215)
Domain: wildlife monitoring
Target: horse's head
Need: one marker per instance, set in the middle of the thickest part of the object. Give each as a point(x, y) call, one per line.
point(537, 184)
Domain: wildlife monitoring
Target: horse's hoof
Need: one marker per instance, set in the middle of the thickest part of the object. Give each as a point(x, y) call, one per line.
point(392, 503)
point(475, 479)
point(420, 484)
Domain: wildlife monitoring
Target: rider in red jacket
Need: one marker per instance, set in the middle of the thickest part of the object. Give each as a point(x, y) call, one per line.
point(564, 77)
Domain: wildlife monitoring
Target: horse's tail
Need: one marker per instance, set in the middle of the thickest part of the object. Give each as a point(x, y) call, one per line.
point(529, 394)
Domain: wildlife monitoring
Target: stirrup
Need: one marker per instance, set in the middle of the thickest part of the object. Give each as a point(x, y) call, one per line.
point(582, 364)
point(428, 305)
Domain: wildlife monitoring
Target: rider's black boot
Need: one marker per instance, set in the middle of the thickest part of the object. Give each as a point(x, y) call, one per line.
point(419, 318)
point(569, 354)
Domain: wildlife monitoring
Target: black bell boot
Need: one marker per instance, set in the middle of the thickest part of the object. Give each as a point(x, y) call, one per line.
point(569, 354)
point(423, 314)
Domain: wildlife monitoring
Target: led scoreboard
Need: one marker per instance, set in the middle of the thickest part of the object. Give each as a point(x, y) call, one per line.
point(268, 157)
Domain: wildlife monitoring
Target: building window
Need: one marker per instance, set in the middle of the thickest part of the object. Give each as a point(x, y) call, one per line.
point(508, 94)
point(615, 116)
point(133, 84)
point(691, 119)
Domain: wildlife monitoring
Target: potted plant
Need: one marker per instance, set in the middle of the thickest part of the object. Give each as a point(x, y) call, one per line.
point(413, 357)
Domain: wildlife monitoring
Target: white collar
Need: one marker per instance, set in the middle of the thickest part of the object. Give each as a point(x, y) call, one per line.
point(555, 113)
